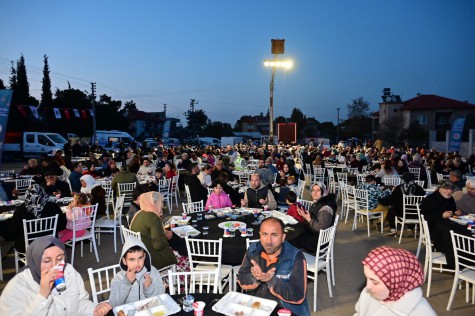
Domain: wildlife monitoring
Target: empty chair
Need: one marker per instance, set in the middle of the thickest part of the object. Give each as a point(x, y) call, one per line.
point(193, 207)
point(393, 181)
point(100, 281)
point(410, 213)
point(464, 249)
point(33, 229)
point(84, 220)
point(362, 209)
point(432, 257)
point(127, 233)
point(106, 185)
point(321, 261)
point(206, 254)
point(105, 225)
point(203, 281)
point(332, 183)
point(174, 192)
point(348, 200)
point(318, 174)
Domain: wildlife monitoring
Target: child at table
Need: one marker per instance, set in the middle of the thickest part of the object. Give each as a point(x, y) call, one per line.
point(282, 189)
point(82, 224)
point(219, 198)
point(139, 279)
point(291, 200)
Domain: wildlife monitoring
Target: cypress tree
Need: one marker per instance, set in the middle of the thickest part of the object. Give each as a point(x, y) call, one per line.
point(46, 94)
point(23, 88)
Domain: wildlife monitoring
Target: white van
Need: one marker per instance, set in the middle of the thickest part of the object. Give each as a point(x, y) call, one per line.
point(114, 136)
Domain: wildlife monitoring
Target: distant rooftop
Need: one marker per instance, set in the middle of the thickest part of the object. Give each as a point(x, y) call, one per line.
point(434, 102)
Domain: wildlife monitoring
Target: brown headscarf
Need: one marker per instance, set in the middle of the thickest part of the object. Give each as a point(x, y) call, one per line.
point(399, 270)
point(152, 202)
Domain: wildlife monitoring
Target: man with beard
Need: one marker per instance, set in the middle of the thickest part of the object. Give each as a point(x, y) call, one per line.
point(274, 269)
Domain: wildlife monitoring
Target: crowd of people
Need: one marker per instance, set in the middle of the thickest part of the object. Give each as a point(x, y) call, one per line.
point(273, 268)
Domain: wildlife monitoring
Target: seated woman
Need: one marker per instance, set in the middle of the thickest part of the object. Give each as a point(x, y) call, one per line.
point(37, 205)
point(93, 172)
point(219, 198)
point(32, 291)
point(170, 170)
point(112, 170)
point(96, 193)
point(75, 210)
point(387, 170)
point(148, 221)
point(394, 277)
point(321, 215)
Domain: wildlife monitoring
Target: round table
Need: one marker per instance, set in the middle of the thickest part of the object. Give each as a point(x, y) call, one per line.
point(234, 248)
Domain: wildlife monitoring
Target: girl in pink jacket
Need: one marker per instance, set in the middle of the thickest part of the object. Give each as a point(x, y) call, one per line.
point(218, 199)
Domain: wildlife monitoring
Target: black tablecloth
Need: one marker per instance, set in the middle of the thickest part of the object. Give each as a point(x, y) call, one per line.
point(234, 248)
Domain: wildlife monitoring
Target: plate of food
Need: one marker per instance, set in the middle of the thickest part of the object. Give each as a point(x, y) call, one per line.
point(230, 224)
point(234, 303)
point(158, 305)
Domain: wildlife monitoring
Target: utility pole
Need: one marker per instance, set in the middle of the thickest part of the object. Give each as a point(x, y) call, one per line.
point(190, 114)
point(165, 109)
point(93, 96)
point(338, 126)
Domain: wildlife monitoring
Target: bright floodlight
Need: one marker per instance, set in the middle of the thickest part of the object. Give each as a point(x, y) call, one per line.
point(279, 63)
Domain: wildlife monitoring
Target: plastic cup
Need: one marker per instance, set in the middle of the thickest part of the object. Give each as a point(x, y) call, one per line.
point(198, 308)
point(266, 207)
point(243, 231)
point(250, 232)
point(199, 216)
point(284, 312)
point(232, 232)
point(188, 301)
point(183, 216)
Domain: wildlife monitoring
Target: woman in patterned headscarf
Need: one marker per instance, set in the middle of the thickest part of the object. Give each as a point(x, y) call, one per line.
point(393, 280)
point(37, 205)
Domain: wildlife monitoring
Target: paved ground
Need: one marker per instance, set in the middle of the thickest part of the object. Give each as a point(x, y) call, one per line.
point(350, 248)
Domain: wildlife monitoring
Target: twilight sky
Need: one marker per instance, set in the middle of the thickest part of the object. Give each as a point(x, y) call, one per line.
point(170, 51)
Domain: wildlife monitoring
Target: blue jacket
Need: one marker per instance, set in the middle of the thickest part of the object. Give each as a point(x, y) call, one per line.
point(289, 282)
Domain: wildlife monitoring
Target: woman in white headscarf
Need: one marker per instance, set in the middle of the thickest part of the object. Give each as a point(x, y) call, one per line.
point(96, 192)
point(32, 290)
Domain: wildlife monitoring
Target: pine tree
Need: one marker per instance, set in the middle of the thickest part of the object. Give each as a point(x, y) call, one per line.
point(2, 86)
point(46, 94)
point(23, 88)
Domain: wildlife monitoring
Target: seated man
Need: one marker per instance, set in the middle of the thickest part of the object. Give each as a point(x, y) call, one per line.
point(197, 191)
point(258, 195)
point(146, 169)
point(138, 279)
point(374, 194)
point(457, 180)
point(465, 200)
point(123, 176)
point(53, 186)
point(276, 270)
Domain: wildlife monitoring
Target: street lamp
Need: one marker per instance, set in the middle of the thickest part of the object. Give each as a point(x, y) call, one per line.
point(277, 49)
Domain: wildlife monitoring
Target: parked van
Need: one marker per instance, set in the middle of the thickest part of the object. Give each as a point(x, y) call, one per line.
point(231, 140)
point(31, 144)
point(114, 136)
point(209, 141)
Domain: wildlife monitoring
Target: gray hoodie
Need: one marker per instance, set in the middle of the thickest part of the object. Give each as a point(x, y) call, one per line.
point(122, 291)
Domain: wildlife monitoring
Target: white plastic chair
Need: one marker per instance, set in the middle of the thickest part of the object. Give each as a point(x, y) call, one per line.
point(127, 233)
point(332, 183)
point(33, 229)
point(110, 226)
point(188, 194)
point(318, 174)
point(100, 281)
point(321, 261)
point(193, 207)
point(85, 218)
point(420, 183)
point(360, 179)
point(391, 181)
point(205, 281)
point(106, 185)
point(205, 254)
point(440, 177)
point(416, 172)
point(164, 187)
point(410, 213)
point(348, 200)
point(305, 203)
point(464, 250)
point(126, 189)
point(174, 192)
point(353, 170)
point(362, 209)
point(432, 257)
point(22, 185)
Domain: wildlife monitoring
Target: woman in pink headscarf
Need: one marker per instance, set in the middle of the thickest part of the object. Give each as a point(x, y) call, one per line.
point(393, 280)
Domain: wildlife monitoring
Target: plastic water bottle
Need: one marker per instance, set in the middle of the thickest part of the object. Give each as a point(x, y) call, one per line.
point(60, 282)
